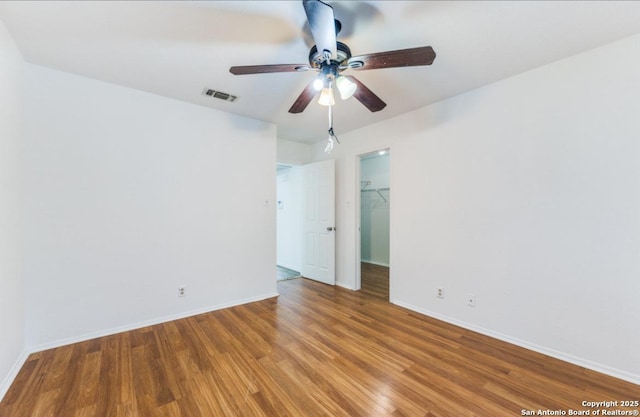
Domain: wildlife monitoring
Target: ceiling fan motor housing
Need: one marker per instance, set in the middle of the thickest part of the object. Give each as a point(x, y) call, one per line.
point(318, 59)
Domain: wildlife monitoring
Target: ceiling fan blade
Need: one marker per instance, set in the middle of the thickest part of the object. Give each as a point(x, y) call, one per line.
point(322, 23)
point(262, 69)
point(304, 99)
point(412, 57)
point(366, 96)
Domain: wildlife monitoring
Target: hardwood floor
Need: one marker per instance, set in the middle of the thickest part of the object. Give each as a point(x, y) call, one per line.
point(316, 350)
point(374, 280)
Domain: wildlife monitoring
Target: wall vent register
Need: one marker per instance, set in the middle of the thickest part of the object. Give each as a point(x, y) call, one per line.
point(219, 94)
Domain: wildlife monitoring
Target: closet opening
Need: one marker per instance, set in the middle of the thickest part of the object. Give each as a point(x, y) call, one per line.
point(374, 217)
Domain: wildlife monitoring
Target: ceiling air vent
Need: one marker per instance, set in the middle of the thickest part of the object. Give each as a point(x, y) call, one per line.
point(219, 94)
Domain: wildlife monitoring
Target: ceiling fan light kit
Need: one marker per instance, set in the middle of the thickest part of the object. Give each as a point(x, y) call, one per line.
point(345, 87)
point(330, 58)
point(318, 83)
point(326, 96)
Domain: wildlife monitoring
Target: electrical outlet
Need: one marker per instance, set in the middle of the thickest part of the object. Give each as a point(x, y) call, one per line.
point(181, 291)
point(471, 300)
point(439, 293)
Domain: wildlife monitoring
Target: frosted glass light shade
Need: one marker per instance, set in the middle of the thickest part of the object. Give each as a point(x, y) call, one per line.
point(318, 83)
point(326, 97)
point(346, 87)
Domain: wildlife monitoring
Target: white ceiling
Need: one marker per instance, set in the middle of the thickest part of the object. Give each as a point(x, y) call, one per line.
point(176, 49)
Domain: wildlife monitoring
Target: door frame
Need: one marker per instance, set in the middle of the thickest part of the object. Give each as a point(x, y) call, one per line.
point(358, 208)
point(293, 256)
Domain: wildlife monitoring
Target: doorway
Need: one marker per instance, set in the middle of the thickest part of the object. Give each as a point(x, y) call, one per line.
point(305, 221)
point(288, 222)
point(374, 223)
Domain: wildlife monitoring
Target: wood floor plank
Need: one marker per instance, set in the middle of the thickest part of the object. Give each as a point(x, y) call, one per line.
point(316, 350)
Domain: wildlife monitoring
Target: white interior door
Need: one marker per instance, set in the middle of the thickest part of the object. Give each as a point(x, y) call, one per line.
point(319, 240)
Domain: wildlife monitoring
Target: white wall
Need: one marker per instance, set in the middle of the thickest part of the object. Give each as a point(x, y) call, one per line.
point(131, 195)
point(290, 217)
point(293, 153)
point(12, 315)
point(525, 193)
point(374, 209)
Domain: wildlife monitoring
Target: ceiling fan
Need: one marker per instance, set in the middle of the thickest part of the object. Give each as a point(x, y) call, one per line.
point(330, 58)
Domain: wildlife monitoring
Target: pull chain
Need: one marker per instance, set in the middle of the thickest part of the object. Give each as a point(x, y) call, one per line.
point(332, 134)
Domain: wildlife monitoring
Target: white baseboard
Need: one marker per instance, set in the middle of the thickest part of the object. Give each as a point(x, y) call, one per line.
point(345, 285)
point(13, 372)
point(594, 366)
point(134, 326)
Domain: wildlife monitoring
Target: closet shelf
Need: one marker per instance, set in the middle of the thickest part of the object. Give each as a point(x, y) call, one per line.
point(377, 190)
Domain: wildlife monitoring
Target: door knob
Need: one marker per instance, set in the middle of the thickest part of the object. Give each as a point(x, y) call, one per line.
point(329, 229)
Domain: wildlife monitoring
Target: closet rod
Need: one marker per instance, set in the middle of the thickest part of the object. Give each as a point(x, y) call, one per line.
point(377, 190)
